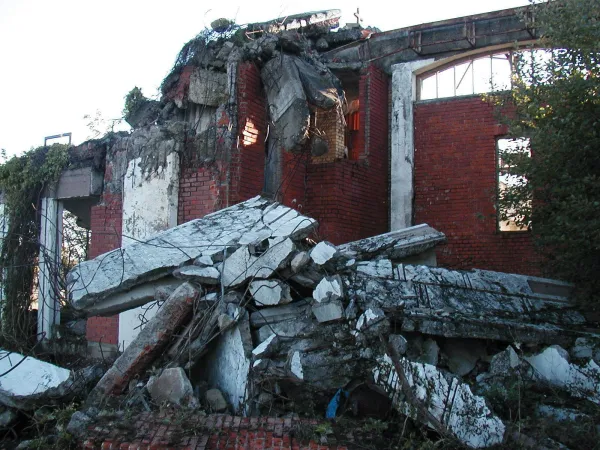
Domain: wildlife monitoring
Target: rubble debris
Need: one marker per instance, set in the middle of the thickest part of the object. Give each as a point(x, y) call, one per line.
point(328, 311)
point(79, 423)
point(450, 402)
point(395, 245)
point(504, 362)
point(28, 382)
point(93, 282)
point(172, 386)
point(330, 288)
point(552, 366)
point(297, 321)
point(322, 252)
point(381, 268)
point(202, 275)
point(149, 343)
point(270, 292)
point(216, 401)
point(207, 87)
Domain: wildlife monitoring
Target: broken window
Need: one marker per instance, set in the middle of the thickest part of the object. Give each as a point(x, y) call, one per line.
point(511, 184)
point(479, 75)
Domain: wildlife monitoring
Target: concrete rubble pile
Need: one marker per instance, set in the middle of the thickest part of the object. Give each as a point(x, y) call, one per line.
point(256, 318)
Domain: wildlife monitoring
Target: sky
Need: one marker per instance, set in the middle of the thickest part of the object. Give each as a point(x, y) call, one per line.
point(63, 59)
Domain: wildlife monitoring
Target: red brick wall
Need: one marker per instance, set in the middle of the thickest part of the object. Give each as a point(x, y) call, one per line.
point(198, 192)
point(455, 186)
point(248, 168)
point(350, 198)
point(106, 223)
point(204, 188)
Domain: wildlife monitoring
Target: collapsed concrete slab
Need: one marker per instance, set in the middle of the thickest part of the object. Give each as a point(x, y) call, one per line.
point(465, 415)
point(468, 304)
point(94, 282)
point(395, 244)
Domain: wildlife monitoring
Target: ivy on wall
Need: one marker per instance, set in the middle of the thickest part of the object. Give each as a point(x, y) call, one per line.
point(23, 180)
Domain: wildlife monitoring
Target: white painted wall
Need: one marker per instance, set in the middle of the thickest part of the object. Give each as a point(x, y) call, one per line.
point(149, 207)
point(404, 93)
point(49, 261)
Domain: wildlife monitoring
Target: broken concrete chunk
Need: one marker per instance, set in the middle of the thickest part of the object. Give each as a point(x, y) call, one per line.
point(330, 288)
point(504, 362)
point(203, 261)
point(399, 342)
point(462, 355)
point(295, 365)
point(395, 244)
point(215, 400)
point(328, 311)
point(299, 261)
point(265, 347)
point(139, 295)
point(224, 321)
point(241, 266)
point(586, 348)
point(149, 343)
point(323, 252)
point(201, 275)
point(381, 268)
point(274, 315)
point(552, 366)
point(298, 327)
point(207, 87)
point(27, 381)
point(430, 352)
point(270, 292)
point(287, 101)
point(172, 386)
point(464, 414)
point(370, 317)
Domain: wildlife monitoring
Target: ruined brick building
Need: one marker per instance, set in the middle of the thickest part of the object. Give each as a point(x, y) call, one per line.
point(364, 131)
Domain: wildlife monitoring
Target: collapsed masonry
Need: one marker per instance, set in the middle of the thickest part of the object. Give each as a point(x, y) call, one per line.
point(253, 309)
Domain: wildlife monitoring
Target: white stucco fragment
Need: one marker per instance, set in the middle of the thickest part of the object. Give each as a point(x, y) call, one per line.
point(369, 317)
point(328, 311)
point(270, 292)
point(552, 366)
point(329, 288)
point(263, 346)
point(462, 413)
point(202, 275)
point(241, 265)
point(296, 366)
point(24, 376)
point(322, 252)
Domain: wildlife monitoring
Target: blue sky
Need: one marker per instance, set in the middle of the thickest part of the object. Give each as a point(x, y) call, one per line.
point(63, 59)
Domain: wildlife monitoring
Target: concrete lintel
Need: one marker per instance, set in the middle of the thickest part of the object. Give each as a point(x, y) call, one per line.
point(404, 92)
point(78, 183)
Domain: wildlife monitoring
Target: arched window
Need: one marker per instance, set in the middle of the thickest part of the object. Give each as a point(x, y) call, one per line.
point(477, 75)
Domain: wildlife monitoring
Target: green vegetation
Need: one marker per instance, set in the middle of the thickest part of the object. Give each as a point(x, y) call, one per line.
point(22, 182)
point(556, 103)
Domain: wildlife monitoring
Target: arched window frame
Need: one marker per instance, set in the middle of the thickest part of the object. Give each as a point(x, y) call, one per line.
point(468, 63)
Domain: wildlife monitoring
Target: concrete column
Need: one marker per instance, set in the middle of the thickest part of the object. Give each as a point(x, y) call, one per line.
point(404, 93)
point(149, 206)
point(49, 267)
